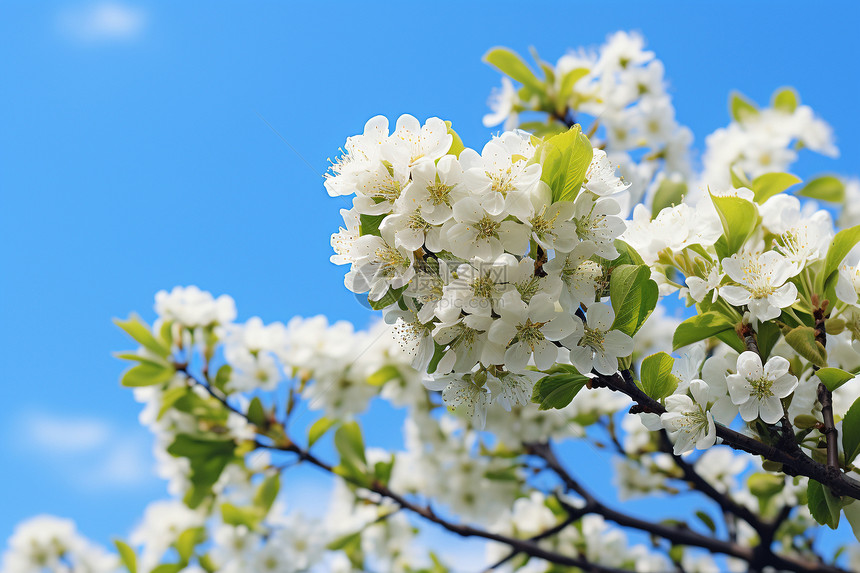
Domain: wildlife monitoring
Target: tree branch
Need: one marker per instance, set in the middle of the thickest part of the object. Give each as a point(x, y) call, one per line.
point(825, 396)
point(526, 546)
point(760, 556)
point(795, 462)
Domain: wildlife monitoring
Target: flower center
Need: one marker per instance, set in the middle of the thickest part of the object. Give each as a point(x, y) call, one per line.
point(542, 226)
point(501, 182)
point(761, 388)
point(530, 333)
point(528, 288)
point(417, 222)
point(440, 193)
point(483, 286)
point(592, 337)
point(391, 260)
point(487, 228)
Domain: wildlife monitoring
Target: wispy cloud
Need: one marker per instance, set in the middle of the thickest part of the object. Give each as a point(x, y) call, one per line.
point(65, 435)
point(103, 21)
point(88, 452)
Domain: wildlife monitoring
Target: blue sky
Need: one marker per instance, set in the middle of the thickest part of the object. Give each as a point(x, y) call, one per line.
point(134, 158)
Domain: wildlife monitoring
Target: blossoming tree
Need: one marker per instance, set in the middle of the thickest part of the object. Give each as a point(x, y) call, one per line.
point(524, 290)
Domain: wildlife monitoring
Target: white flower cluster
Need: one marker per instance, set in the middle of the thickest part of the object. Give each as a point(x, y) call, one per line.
point(442, 242)
point(764, 141)
point(46, 543)
point(594, 539)
point(620, 85)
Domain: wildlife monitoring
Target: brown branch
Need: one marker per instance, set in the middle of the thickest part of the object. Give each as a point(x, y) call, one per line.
point(825, 396)
point(759, 557)
point(726, 503)
point(794, 461)
point(526, 546)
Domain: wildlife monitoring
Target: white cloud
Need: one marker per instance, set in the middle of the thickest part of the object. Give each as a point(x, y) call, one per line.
point(65, 435)
point(104, 21)
point(87, 452)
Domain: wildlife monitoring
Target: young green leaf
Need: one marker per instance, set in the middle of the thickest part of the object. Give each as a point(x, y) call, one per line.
point(510, 63)
point(564, 162)
point(147, 374)
point(256, 413)
point(141, 333)
point(741, 108)
point(318, 429)
point(557, 390)
point(701, 327)
point(267, 492)
point(633, 296)
point(656, 376)
point(802, 339)
point(766, 186)
point(851, 432)
point(738, 217)
point(785, 99)
point(839, 248)
point(669, 193)
point(824, 188)
point(821, 504)
point(126, 555)
point(833, 378)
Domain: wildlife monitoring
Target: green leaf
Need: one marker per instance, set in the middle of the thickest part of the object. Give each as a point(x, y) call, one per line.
point(701, 327)
point(785, 99)
point(821, 504)
point(126, 555)
point(206, 563)
point(208, 457)
point(739, 179)
point(169, 568)
point(824, 188)
point(558, 390)
point(344, 541)
point(738, 217)
point(669, 193)
point(391, 297)
point(141, 359)
point(457, 143)
point(140, 332)
point(188, 540)
point(656, 376)
point(256, 413)
point(851, 432)
point(382, 470)
point(250, 517)
point(222, 377)
point(510, 63)
point(569, 80)
point(766, 336)
point(852, 514)
point(564, 160)
point(741, 108)
point(170, 397)
point(318, 429)
point(766, 186)
point(369, 224)
point(267, 492)
point(833, 378)
point(350, 445)
point(839, 248)
point(383, 375)
point(707, 520)
point(765, 485)
point(147, 374)
point(633, 296)
point(802, 339)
